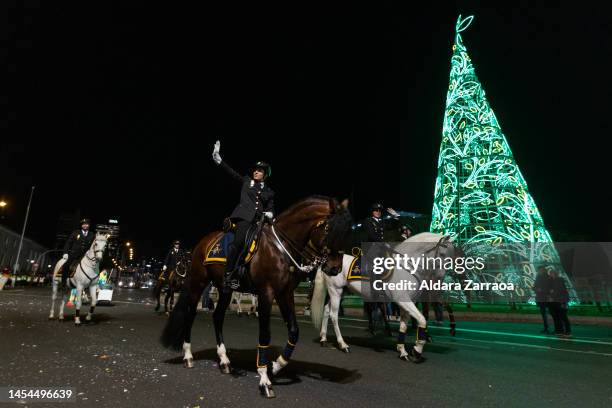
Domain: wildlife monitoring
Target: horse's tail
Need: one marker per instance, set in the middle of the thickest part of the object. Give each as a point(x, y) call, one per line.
point(317, 304)
point(176, 328)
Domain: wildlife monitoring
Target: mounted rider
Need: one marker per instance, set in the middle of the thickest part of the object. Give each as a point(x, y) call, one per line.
point(256, 199)
point(174, 256)
point(77, 244)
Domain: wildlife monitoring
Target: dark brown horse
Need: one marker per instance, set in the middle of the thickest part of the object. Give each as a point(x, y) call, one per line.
point(307, 232)
point(174, 282)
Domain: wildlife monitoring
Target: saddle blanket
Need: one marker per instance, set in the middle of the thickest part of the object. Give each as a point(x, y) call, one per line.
point(355, 272)
point(219, 248)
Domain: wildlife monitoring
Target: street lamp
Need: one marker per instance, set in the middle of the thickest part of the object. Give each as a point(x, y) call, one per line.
point(3, 203)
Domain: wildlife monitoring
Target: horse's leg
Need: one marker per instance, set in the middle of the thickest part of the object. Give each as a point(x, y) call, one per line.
point(414, 354)
point(77, 305)
point(287, 307)
point(383, 309)
point(451, 318)
point(157, 294)
point(265, 307)
point(369, 312)
point(323, 334)
point(335, 296)
point(238, 298)
point(171, 297)
point(218, 318)
point(53, 298)
point(167, 297)
point(94, 299)
point(65, 297)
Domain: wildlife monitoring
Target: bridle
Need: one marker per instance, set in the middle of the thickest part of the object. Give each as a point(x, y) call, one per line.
point(315, 256)
point(93, 259)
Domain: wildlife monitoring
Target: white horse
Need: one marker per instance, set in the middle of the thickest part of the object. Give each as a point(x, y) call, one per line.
point(85, 276)
point(414, 246)
point(252, 309)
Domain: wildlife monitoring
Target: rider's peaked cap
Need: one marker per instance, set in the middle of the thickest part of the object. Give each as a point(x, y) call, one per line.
point(176, 241)
point(377, 206)
point(85, 221)
point(263, 166)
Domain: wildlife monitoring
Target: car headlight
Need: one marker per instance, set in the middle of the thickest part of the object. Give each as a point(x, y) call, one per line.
point(131, 283)
point(120, 283)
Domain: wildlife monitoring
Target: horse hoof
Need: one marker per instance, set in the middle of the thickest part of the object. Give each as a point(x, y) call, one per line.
point(267, 391)
point(167, 313)
point(404, 357)
point(347, 350)
point(51, 317)
point(225, 368)
point(88, 319)
point(60, 319)
point(323, 343)
point(415, 356)
point(188, 362)
point(453, 332)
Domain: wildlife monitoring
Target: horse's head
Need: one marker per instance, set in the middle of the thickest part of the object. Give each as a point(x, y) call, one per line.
point(329, 234)
point(432, 246)
point(99, 245)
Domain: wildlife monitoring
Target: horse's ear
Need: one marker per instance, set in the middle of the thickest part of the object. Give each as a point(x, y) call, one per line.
point(332, 205)
point(344, 204)
point(108, 236)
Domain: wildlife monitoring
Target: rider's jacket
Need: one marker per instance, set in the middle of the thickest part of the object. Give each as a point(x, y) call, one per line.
point(173, 257)
point(255, 197)
point(375, 229)
point(78, 243)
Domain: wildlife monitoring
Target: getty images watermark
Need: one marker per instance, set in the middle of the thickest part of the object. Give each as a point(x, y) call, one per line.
point(435, 271)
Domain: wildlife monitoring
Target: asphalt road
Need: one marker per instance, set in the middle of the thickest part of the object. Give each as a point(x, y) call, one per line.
point(117, 361)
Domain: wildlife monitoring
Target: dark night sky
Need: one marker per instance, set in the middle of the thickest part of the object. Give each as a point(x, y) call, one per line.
point(114, 110)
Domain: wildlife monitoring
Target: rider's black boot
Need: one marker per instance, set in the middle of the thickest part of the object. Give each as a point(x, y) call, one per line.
point(229, 283)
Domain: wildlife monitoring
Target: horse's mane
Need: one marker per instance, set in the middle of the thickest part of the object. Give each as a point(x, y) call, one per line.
point(305, 202)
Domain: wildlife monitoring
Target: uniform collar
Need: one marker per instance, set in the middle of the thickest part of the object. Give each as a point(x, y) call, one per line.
point(261, 183)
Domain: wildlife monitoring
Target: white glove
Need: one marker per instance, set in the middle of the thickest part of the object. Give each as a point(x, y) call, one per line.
point(216, 155)
point(164, 268)
point(393, 213)
point(65, 256)
point(269, 215)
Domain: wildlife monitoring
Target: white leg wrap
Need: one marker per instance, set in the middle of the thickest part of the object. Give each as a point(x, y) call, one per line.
point(222, 355)
point(187, 351)
point(403, 327)
point(279, 364)
point(263, 376)
point(419, 346)
point(342, 344)
point(402, 350)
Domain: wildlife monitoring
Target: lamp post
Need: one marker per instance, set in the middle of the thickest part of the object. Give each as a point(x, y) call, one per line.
point(25, 223)
point(3, 205)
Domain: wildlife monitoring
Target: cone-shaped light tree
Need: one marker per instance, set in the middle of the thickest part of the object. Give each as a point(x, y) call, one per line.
point(481, 196)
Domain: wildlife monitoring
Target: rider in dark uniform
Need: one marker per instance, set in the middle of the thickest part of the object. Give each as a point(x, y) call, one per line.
point(76, 245)
point(256, 199)
point(175, 255)
point(374, 224)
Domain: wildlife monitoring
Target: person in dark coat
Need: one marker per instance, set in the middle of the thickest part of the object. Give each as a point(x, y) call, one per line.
point(542, 288)
point(77, 244)
point(174, 256)
point(256, 199)
point(374, 225)
point(559, 305)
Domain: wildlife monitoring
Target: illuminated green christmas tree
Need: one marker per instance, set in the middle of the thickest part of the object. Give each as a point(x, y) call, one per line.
point(481, 196)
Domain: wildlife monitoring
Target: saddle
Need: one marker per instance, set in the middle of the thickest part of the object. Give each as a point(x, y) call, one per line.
point(217, 250)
